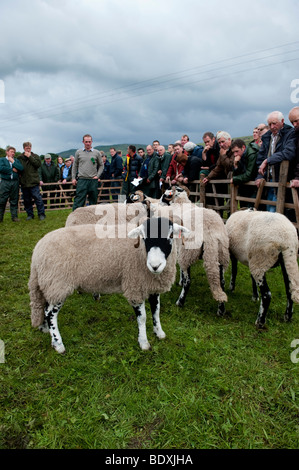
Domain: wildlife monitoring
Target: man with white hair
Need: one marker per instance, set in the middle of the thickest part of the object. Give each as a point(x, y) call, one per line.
point(278, 144)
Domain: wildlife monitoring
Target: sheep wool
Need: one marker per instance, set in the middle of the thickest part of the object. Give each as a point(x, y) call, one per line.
point(76, 257)
point(208, 240)
point(260, 240)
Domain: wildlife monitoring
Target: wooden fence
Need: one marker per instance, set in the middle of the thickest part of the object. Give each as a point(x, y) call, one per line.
point(61, 196)
point(229, 201)
point(226, 200)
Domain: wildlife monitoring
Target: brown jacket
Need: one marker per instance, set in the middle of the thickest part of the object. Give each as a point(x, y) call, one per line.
point(225, 164)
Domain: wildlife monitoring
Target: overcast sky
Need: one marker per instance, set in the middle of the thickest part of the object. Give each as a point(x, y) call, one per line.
point(131, 71)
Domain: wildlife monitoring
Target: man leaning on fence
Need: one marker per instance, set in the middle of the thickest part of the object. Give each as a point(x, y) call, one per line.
point(87, 169)
point(10, 167)
point(278, 144)
point(294, 119)
point(245, 168)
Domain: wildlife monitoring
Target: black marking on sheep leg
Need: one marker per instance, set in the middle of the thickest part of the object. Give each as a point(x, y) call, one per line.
point(154, 301)
point(51, 314)
point(234, 262)
point(186, 280)
point(222, 281)
point(141, 320)
point(44, 327)
point(289, 309)
point(265, 302)
point(255, 292)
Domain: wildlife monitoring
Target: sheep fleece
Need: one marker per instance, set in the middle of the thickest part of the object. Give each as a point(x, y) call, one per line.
point(75, 258)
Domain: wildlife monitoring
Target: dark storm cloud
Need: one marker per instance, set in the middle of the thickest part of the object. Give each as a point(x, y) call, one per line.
point(134, 71)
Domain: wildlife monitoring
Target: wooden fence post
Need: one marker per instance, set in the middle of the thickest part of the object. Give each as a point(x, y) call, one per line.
point(281, 192)
point(233, 198)
point(202, 191)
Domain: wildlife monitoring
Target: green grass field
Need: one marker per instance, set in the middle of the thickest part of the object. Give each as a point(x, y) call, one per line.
point(213, 383)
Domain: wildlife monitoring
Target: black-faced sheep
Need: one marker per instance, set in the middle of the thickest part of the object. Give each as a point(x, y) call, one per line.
point(208, 240)
point(77, 257)
point(262, 240)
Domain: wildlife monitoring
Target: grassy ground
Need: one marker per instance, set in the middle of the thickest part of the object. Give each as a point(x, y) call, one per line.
point(212, 383)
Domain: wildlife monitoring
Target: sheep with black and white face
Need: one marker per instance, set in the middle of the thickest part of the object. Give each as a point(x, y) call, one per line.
point(76, 257)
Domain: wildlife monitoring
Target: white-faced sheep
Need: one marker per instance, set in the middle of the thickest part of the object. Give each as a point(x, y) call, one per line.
point(208, 240)
point(77, 258)
point(262, 240)
point(110, 213)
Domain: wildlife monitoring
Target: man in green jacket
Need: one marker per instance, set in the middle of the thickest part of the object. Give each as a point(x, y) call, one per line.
point(245, 167)
point(10, 168)
point(30, 182)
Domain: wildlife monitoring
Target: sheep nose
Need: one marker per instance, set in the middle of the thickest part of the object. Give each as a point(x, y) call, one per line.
point(155, 268)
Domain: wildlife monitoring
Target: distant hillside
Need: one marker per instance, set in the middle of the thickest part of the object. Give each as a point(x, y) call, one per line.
point(104, 148)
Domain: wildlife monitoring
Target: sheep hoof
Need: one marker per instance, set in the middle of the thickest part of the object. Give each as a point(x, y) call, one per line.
point(160, 335)
point(254, 298)
point(145, 346)
point(287, 319)
point(221, 309)
point(260, 326)
point(179, 303)
point(59, 347)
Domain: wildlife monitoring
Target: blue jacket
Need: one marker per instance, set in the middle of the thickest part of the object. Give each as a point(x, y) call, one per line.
point(6, 171)
point(285, 150)
point(116, 166)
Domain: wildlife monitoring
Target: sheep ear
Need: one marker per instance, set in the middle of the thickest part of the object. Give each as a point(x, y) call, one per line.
point(180, 230)
point(137, 232)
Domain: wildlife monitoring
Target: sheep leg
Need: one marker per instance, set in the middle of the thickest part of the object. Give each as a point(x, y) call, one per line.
point(255, 292)
point(265, 302)
point(221, 305)
point(186, 281)
point(141, 320)
point(51, 314)
point(234, 262)
point(181, 277)
point(44, 327)
point(289, 309)
point(154, 301)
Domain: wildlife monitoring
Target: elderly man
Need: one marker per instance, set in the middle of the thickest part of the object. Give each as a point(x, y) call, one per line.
point(294, 119)
point(278, 145)
point(164, 158)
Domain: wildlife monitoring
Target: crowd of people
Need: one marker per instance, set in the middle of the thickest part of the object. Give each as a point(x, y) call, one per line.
point(155, 167)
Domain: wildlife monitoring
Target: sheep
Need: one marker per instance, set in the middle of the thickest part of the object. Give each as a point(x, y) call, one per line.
point(209, 240)
point(262, 240)
point(110, 213)
point(78, 257)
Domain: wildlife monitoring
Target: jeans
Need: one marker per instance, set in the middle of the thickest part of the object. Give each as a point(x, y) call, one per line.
point(31, 195)
point(271, 196)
